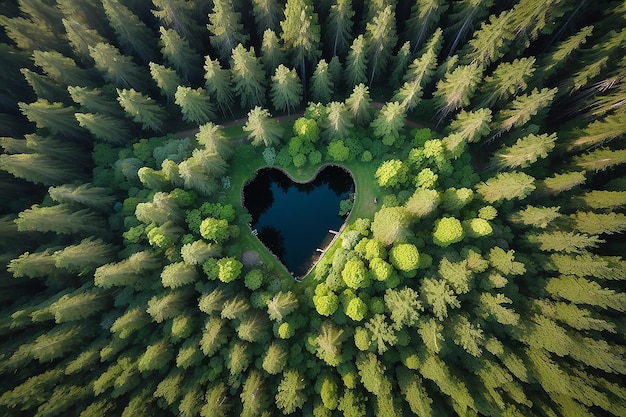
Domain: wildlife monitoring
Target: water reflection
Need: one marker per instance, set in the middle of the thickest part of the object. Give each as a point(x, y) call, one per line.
point(292, 219)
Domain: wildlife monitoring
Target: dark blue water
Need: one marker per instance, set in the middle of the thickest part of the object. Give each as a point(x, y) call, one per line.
point(292, 219)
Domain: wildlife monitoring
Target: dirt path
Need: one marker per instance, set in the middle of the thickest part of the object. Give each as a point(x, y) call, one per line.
point(376, 104)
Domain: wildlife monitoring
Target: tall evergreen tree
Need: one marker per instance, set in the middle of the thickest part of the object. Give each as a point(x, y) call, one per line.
point(218, 84)
point(142, 109)
point(248, 77)
point(262, 128)
point(272, 54)
point(425, 15)
point(301, 33)
point(267, 15)
point(356, 63)
point(286, 91)
point(116, 68)
point(194, 104)
point(338, 28)
point(166, 79)
point(178, 53)
point(132, 34)
point(381, 38)
point(225, 28)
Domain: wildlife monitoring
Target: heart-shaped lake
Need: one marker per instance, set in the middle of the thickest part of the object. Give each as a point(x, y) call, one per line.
point(294, 220)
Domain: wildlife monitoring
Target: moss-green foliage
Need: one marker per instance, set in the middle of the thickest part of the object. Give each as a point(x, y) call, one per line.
point(479, 269)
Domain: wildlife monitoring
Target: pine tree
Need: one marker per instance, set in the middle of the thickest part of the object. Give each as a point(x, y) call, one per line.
point(525, 151)
point(248, 77)
point(600, 132)
point(86, 255)
point(82, 303)
point(508, 186)
point(359, 104)
point(267, 15)
point(62, 69)
point(598, 223)
point(225, 28)
point(143, 109)
point(337, 124)
point(104, 127)
point(425, 15)
point(194, 104)
point(80, 36)
point(218, 84)
point(414, 392)
point(56, 117)
point(286, 91)
point(214, 140)
point(508, 79)
point(166, 79)
point(600, 159)
point(523, 108)
point(133, 34)
point(490, 42)
point(457, 88)
point(102, 101)
point(559, 241)
point(178, 274)
point(43, 86)
point(356, 63)
point(598, 199)
point(253, 395)
point(178, 53)
point(61, 219)
point(116, 68)
point(321, 84)
point(291, 396)
point(439, 297)
point(551, 62)
point(400, 63)
point(559, 183)
point(177, 15)
point(272, 54)
point(301, 33)
point(262, 128)
point(463, 17)
point(389, 122)
point(127, 272)
point(38, 168)
point(380, 38)
point(338, 28)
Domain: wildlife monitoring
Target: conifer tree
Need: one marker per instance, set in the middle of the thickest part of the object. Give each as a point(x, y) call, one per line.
point(301, 33)
point(218, 84)
point(291, 396)
point(321, 84)
point(457, 88)
point(177, 15)
point(262, 128)
point(38, 168)
point(425, 14)
point(225, 28)
point(133, 34)
point(248, 77)
point(359, 104)
point(116, 68)
point(267, 15)
point(525, 151)
point(464, 15)
point(356, 63)
point(380, 38)
point(166, 79)
point(104, 127)
point(508, 185)
point(337, 124)
point(142, 109)
point(286, 91)
point(80, 36)
point(272, 53)
point(178, 53)
point(338, 28)
point(56, 117)
point(194, 104)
